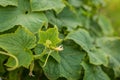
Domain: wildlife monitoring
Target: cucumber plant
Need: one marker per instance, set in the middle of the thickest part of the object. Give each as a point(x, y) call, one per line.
point(57, 40)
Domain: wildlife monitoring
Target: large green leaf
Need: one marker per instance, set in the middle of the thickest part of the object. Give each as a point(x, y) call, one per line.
point(69, 66)
point(49, 37)
point(111, 46)
point(19, 45)
point(64, 20)
point(5, 3)
point(21, 15)
point(42, 5)
point(93, 72)
point(82, 38)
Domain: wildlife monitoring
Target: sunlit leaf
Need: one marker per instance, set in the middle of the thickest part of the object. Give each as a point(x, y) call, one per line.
point(51, 36)
point(19, 45)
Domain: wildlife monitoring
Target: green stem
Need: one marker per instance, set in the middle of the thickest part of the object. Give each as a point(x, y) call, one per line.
point(47, 58)
point(31, 69)
point(40, 55)
point(14, 57)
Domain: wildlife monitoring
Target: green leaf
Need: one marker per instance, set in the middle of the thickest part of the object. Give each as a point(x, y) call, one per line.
point(21, 15)
point(19, 45)
point(111, 47)
point(69, 18)
point(82, 38)
point(69, 66)
point(42, 5)
point(5, 3)
point(64, 20)
point(24, 59)
point(49, 37)
point(56, 56)
point(105, 25)
point(95, 29)
point(98, 57)
point(52, 19)
point(94, 72)
point(39, 49)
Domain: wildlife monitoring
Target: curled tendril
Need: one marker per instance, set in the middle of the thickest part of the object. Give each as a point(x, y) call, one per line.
point(14, 57)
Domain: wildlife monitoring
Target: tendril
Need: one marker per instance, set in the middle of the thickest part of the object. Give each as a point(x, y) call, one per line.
point(14, 57)
point(47, 58)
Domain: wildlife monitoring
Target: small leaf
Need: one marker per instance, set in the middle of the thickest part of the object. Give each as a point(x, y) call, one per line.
point(49, 37)
point(94, 72)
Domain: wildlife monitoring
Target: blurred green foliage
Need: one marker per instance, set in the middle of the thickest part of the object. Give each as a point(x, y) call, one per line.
point(112, 10)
